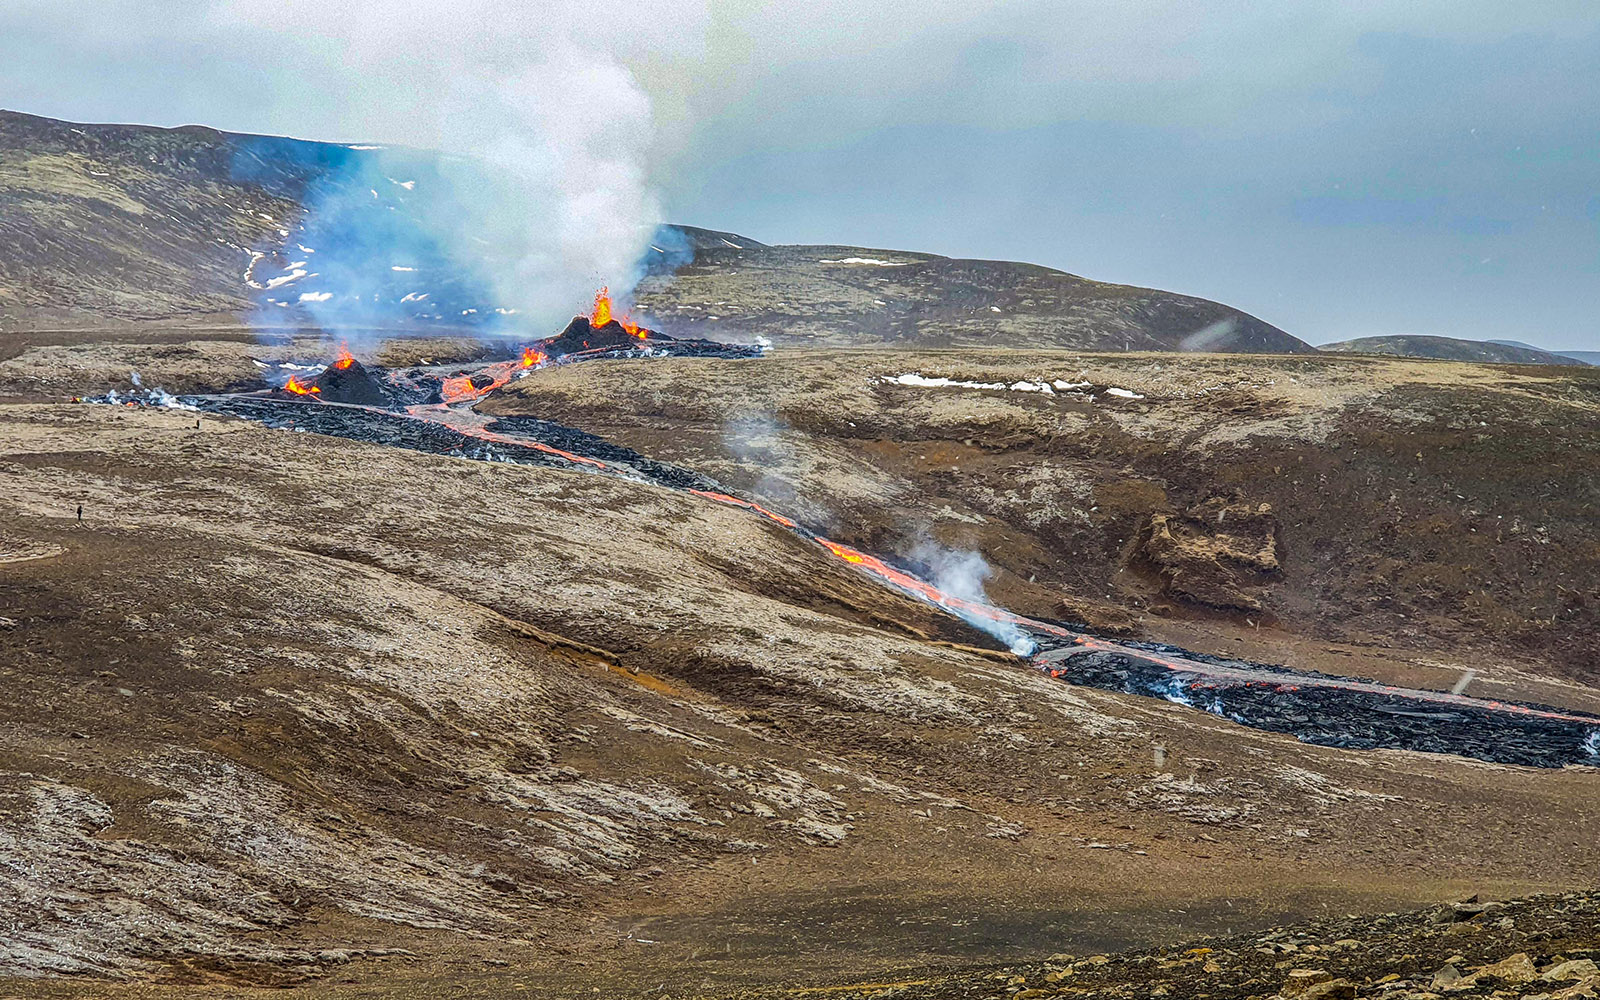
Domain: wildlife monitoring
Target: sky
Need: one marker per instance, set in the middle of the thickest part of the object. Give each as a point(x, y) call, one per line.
point(1362, 168)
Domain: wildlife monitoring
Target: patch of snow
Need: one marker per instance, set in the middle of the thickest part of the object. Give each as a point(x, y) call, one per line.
point(374, 193)
point(911, 378)
point(994, 309)
point(364, 147)
point(408, 185)
point(249, 269)
point(732, 244)
point(502, 310)
point(1066, 386)
point(656, 248)
point(1043, 387)
point(1123, 393)
point(401, 267)
point(304, 248)
point(873, 261)
point(266, 216)
point(284, 279)
point(315, 296)
point(283, 232)
point(468, 312)
point(414, 296)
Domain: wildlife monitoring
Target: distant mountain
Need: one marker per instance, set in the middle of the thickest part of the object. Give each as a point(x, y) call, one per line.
point(1451, 349)
point(111, 224)
point(730, 285)
point(1587, 357)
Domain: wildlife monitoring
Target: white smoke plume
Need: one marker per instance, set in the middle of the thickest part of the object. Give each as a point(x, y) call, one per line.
point(962, 574)
point(757, 439)
point(546, 134)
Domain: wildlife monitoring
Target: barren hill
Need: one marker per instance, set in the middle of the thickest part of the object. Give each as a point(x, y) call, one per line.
point(1451, 349)
point(123, 223)
point(842, 296)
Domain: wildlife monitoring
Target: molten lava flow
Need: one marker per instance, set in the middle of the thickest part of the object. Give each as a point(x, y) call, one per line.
point(933, 595)
point(747, 505)
point(462, 388)
point(604, 313)
point(300, 388)
point(346, 359)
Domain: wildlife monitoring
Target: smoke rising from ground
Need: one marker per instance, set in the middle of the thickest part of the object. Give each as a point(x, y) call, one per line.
point(962, 574)
point(541, 195)
point(756, 439)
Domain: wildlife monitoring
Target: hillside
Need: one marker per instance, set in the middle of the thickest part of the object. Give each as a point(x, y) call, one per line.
point(111, 224)
point(1450, 349)
point(842, 296)
point(291, 707)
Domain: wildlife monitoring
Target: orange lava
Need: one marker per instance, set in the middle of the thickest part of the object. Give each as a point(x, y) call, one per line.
point(300, 388)
point(600, 315)
point(346, 359)
point(603, 313)
point(928, 592)
point(461, 390)
point(747, 505)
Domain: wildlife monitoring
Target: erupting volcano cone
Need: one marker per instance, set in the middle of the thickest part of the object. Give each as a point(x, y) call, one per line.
point(582, 335)
point(350, 382)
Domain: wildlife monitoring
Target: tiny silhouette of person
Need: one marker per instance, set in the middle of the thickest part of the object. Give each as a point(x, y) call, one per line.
point(80, 513)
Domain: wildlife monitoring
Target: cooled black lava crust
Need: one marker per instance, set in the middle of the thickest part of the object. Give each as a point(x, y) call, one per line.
point(1338, 717)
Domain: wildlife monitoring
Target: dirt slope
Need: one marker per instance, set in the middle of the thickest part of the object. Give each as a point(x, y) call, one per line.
point(283, 704)
point(1442, 507)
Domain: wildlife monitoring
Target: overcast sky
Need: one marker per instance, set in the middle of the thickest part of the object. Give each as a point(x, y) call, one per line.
point(1339, 169)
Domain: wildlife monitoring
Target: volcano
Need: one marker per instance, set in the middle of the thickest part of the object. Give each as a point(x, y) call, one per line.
point(349, 381)
point(345, 381)
point(583, 335)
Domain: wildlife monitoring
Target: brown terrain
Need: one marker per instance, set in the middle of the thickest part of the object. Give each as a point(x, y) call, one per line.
point(279, 711)
point(291, 715)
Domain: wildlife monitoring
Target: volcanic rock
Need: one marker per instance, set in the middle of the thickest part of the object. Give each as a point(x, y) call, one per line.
point(1301, 980)
point(1333, 989)
point(352, 383)
point(579, 335)
point(1580, 968)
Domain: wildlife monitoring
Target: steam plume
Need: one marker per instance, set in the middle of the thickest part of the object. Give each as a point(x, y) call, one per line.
point(540, 195)
point(962, 574)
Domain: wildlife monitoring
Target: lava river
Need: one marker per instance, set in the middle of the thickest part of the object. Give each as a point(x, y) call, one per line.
point(431, 409)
